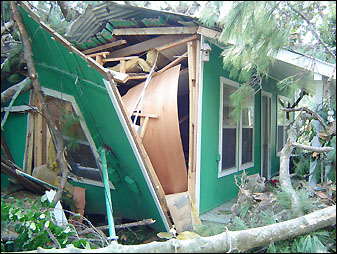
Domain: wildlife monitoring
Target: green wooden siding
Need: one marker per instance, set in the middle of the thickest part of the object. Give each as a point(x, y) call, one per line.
point(213, 190)
point(68, 73)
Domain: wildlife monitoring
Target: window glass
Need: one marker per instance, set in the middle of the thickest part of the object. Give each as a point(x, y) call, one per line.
point(229, 129)
point(247, 125)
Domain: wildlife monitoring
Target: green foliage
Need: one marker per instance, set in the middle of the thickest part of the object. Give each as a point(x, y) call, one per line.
point(14, 61)
point(69, 122)
point(35, 225)
point(209, 230)
point(308, 244)
point(302, 165)
point(237, 224)
point(240, 98)
point(210, 14)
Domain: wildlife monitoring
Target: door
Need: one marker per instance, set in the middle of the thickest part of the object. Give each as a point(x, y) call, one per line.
point(265, 134)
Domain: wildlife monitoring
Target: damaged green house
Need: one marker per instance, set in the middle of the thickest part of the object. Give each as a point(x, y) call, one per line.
point(148, 87)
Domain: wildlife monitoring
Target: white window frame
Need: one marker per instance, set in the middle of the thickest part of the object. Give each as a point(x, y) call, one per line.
point(284, 136)
point(234, 169)
point(71, 99)
point(250, 163)
point(238, 142)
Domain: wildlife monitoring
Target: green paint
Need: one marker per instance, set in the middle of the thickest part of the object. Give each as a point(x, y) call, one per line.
point(68, 73)
point(214, 191)
point(15, 130)
point(106, 34)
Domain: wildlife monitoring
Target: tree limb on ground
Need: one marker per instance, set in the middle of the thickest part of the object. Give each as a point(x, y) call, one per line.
point(55, 132)
point(227, 241)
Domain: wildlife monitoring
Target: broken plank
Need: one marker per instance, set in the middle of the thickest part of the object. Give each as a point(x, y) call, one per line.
point(19, 109)
point(145, 45)
point(208, 32)
point(104, 54)
point(106, 46)
point(177, 42)
point(99, 60)
point(173, 63)
point(193, 49)
point(119, 58)
point(27, 161)
point(122, 66)
point(118, 76)
point(138, 77)
point(155, 30)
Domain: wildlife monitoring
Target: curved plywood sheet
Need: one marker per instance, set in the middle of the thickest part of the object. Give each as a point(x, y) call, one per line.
point(162, 136)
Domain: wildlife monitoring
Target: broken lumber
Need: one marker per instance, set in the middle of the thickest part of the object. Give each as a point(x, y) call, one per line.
point(106, 46)
point(126, 225)
point(146, 45)
point(154, 30)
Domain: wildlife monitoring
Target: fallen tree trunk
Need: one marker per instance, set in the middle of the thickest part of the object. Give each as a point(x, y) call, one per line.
point(55, 132)
point(231, 240)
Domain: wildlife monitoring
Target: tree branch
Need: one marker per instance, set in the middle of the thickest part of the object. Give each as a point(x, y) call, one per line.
point(313, 30)
point(309, 111)
point(55, 132)
point(312, 148)
point(9, 92)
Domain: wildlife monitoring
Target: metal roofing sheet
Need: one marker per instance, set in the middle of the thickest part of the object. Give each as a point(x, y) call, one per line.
point(95, 19)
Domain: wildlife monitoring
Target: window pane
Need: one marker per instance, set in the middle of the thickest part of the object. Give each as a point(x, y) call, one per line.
point(280, 138)
point(247, 145)
point(228, 148)
point(227, 106)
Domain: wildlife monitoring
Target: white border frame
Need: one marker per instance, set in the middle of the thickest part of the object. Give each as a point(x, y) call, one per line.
point(249, 164)
point(234, 169)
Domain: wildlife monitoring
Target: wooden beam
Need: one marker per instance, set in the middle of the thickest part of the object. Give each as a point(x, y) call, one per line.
point(193, 49)
point(146, 45)
point(146, 121)
point(123, 66)
point(120, 77)
point(177, 42)
point(208, 32)
point(105, 46)
point(155, 30)
point(119, 58)
point(99, 60)
point(27, 161)
point(146, 115)
point(104, 54)
point(138, 77)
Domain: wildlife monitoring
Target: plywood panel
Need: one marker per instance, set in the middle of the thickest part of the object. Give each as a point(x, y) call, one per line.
point(162, 137)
